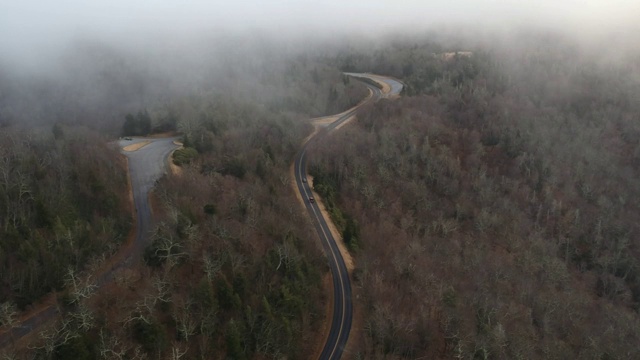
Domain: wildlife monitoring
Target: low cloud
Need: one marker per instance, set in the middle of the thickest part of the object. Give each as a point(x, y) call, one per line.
point(32, 32)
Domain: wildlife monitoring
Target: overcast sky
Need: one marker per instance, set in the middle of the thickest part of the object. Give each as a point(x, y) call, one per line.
point(30, 28)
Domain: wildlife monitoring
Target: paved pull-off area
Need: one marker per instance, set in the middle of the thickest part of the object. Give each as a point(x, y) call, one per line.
point(146, 165)
point(342, 305)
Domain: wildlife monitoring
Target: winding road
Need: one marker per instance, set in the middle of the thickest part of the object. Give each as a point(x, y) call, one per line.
point(149, 163)
point(342, 306)
point(146, 165)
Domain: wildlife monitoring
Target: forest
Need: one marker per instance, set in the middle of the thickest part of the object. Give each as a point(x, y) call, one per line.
point(231, 269)
point(490, 209)
point(495, 203)
point(64, 206)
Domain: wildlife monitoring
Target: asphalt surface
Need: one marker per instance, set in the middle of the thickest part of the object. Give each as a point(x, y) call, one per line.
point(146, 165)
point(342, 306)
point(396, 86)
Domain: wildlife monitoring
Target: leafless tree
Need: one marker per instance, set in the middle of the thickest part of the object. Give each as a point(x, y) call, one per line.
point(110, 347)
point(186, 325)
point(56, 335)
point(83, 318)
point(81, 288)
point(8, 314)
point(177, 352)
point(212, 266)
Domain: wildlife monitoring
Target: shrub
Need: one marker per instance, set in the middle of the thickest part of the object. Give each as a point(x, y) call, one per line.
point(184, 156)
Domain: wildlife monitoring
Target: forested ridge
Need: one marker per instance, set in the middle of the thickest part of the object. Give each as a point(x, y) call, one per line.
point(63, 204)
point(496, 202)
point(231, 221)
point(233, 268)
point(491, 209)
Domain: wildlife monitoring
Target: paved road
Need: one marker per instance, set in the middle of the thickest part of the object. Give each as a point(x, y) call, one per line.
point(145, 166)
point(395, 85)
point(342, 306)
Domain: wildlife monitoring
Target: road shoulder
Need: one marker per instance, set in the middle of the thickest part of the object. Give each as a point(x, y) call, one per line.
point(137, 146)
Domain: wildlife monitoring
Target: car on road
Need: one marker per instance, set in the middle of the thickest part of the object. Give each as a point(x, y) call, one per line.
point(311, 199)
point(304, 179)
point(128, 138)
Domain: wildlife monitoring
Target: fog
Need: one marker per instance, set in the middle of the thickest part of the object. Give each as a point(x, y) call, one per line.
point(75, 61)
point(33, 32)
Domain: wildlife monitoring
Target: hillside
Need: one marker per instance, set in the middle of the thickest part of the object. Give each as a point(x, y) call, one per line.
point(493, 209)
point(233, 267)
point(63, 207)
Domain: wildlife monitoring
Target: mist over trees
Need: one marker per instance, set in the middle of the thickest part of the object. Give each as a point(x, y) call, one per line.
point(497, 198)
point(258, 288)
point(491, 210)
point(98, 83)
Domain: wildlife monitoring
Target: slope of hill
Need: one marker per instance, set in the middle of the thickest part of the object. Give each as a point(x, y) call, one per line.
point(495, 210)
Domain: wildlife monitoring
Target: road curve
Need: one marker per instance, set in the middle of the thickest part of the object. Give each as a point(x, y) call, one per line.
point(342, 306)
point(146, 165)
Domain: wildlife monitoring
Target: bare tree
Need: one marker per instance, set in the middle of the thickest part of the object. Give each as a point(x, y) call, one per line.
point(83, 318)
point(57, 335)
point(8, 355)
point(185, 324)
point(286, 254)
point(110, 347)
point(8, 314)
point(177, 353)
point(80, 288)
point(212, 266)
